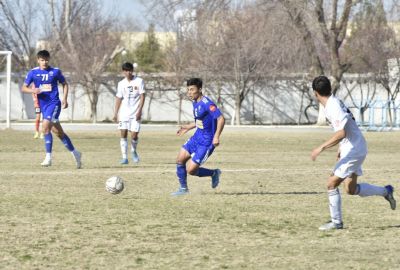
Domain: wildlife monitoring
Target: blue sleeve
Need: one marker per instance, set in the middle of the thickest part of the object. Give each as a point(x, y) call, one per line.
point(29, 78)
point(214, 111)
point(60, 77)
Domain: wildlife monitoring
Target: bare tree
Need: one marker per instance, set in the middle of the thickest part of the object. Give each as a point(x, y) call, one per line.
point(18, 32)
point(86, 42)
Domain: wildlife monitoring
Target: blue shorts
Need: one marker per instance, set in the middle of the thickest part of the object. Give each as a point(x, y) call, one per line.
point(199, 153)
point(51, 111)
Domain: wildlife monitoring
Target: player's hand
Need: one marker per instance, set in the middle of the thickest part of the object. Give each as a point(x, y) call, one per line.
point(182, 130)
point(215, 141)
point(36, 91)
point(64, 104)
point(315, 153)
point(138, 116)
point(338, 156)
point(115, 118)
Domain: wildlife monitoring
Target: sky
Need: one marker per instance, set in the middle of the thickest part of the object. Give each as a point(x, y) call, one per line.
point(127, 8)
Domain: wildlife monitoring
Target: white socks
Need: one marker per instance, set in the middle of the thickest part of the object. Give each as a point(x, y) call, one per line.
point(124, 147)
point(365, 190)
point(48, 156)
point(134, 144)
point(335, 205)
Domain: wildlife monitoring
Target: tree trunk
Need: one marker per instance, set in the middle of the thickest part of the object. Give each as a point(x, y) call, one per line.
point(237, 109)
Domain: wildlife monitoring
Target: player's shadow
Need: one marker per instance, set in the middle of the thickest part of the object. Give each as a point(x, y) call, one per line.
point(389, 227)
point(271, 193)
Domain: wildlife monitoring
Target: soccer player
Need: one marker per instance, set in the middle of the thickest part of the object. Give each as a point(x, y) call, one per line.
point(129, 103)
point(209, 122)
point(352, 153)
point(45, 80)
point(37, 119)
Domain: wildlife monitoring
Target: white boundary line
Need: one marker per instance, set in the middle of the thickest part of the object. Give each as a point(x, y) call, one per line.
point(133, 171)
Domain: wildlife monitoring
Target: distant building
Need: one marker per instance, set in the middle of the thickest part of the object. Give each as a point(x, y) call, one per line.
point(131, 40)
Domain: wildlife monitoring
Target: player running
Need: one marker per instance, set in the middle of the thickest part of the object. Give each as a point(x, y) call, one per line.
point(45, 80)
point(129, 103)
point(210, 123)
point(351, 155)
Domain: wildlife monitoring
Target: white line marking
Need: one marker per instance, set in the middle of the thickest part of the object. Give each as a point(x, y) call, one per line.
point(133, 171)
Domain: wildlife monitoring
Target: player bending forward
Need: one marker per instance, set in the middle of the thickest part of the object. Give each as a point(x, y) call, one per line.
point(45, 80)
point(210, 123)
point(129, 103)
point(352, 153)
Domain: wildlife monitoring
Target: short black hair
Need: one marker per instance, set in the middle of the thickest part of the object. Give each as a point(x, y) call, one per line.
point(127, 66)
point(43, 54)
point(195, 81)
point(322, 86)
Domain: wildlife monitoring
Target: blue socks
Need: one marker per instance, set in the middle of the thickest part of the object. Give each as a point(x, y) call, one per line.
point(48, 142)
point(203, 172)
point(182, 174)
point(67, 142)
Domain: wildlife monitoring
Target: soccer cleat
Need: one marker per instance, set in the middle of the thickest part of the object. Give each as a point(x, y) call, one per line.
point(46, 162)
point(78, 158)
point(215, 178)
point(36, 136)
point(181, 191)
point(135, 157)
point(124, 161)
point(41, 136)
point(389, 197)
point(331, 226)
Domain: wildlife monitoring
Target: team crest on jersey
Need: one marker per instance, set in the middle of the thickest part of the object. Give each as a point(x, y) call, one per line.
point(130, 88)
point(51, 73)
point(213, 108)
point(136, 88)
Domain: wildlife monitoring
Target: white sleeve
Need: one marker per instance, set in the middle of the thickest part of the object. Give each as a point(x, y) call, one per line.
point(119, 91)
point(338, 117)
point(141, 87)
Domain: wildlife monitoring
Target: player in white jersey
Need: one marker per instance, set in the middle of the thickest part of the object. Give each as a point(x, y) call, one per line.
point(128, 110)
point(352, 152)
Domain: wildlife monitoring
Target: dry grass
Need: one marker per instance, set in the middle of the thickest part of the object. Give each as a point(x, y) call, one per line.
point(264, 215)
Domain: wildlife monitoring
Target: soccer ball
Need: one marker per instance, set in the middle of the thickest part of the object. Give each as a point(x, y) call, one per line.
point(115, 184)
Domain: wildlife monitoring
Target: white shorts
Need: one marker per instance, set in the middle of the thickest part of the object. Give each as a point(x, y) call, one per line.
point(131, 125)
point(346, 166)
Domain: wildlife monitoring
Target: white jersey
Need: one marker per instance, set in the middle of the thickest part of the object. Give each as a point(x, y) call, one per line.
point(129, 92)
point(340, 117)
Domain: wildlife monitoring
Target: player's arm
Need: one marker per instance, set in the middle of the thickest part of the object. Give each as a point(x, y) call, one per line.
point(141, 104)
point(185, 128)
point(220, 127)
point(117, 106)
point(334, 140)
point(29, 90)
point(65, 95)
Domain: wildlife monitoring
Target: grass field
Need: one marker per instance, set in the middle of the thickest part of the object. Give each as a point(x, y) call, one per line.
point(264, 215)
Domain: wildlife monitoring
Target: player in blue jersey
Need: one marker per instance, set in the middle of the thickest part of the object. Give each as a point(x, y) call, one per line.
point(209, 122)
point(45, 80)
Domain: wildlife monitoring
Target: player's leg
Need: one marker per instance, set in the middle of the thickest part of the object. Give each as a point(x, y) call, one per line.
point(59, 132)
point(353, 167)
point(48, 141)
point(366, 190)
point(183, 157)
point(335, 204)
point(200, 156)
point(123, 143)
point(135, 128)
point(37, 123)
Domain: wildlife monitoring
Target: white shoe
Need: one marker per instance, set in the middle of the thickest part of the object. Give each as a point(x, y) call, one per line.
point(78, 157)
point(46, 162)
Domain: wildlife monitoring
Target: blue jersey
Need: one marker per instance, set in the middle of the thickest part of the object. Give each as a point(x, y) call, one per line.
point(205, 114)
point(47, 80)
